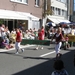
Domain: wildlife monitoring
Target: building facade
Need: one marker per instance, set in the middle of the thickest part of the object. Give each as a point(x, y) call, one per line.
point(26, 12)
point(72, 10)
point(59, 11)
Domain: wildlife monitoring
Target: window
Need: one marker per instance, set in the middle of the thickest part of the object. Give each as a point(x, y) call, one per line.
point(25, 1)
point(74, 5)
point(20, 1)
point(12, 0)
point(59, 12)
point(63, 12)
point(53, 11)
point(37, 2)
point(56, 11)
point(63, 1)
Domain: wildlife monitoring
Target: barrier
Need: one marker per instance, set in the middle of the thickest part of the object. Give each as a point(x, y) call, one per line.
point(37, 42)
point(71, 38)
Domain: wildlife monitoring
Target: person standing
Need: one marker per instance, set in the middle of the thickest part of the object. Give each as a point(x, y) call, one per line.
point(43, 32)
point(58, 39)
point(18, 41)
point(40, 37)
point(3, 31)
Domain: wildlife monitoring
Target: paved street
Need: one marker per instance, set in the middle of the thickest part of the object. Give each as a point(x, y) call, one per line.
point(34, 62)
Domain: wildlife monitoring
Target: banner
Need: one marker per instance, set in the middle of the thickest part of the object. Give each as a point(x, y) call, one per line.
point(71, 38)
point(36, 42)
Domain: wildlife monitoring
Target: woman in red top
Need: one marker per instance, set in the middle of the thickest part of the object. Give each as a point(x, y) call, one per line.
point(43, 32)
point(40, 36)
point(18, 41)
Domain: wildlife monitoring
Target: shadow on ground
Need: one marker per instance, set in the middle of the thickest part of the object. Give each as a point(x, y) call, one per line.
point(46, 68)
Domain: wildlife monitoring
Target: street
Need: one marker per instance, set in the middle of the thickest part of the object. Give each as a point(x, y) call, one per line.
point(34, 62)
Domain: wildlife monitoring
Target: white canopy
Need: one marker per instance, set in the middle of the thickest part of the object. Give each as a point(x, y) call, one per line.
point(57, 20)
point(63, 20)
point(28, 15)
point(53, 20)
point(7, 14)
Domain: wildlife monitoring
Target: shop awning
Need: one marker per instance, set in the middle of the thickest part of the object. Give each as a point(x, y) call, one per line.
point(30, 16)
point(7, 14)
point(53, 20)
point(63, 20)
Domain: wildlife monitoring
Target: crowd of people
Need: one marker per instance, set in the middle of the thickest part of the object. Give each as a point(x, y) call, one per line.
point(7, 37)
point(4, 37)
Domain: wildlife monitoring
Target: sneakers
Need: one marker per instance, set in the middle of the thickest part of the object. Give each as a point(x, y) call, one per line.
point(16, 53)
point(42, 48)
point(36, 48)
point(22, 50)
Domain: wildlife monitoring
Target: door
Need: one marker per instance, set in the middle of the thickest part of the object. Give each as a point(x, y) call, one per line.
point(10, 25)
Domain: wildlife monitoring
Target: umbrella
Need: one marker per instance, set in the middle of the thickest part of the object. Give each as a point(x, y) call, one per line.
point(51, 24)
point(63, 23)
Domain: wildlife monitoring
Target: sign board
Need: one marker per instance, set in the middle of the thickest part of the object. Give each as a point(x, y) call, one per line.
point(36, 42)
point(71, 38)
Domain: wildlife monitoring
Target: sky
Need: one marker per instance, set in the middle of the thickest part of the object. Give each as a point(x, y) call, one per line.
point(74, 5)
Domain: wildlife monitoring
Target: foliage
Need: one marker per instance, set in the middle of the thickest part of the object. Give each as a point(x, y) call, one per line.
point(1, 21)
point(47, 8)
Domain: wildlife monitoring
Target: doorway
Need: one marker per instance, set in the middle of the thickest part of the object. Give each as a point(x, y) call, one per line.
point(10, 25)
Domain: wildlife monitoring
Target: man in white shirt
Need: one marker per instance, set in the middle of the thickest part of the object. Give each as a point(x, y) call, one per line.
point(3, 34)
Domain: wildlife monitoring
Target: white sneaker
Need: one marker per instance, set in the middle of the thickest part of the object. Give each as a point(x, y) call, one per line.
point(36, 48)
point(16, 53)
point(42, 48)
point(22, 50)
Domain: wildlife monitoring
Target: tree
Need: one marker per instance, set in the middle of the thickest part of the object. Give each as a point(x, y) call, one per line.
point(1, 21)
point(46, 8)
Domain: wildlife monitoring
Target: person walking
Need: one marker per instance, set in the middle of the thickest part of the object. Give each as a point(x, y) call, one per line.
point(18, 41)
point(40, 37)
point(58, 39)
point(59, 68)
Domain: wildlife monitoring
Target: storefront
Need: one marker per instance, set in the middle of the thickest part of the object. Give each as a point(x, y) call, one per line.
point(14, 19)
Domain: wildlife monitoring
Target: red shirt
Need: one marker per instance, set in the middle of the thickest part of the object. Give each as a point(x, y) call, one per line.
point(18, 37)
point(43, 32)
point(41, 36)
point(66, 39)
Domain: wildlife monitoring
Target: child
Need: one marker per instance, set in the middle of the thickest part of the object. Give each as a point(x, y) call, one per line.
point(59, 68)
point(4, 44)
point(67, 45)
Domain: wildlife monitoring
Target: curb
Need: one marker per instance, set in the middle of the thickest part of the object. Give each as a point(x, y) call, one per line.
point(5, 50)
